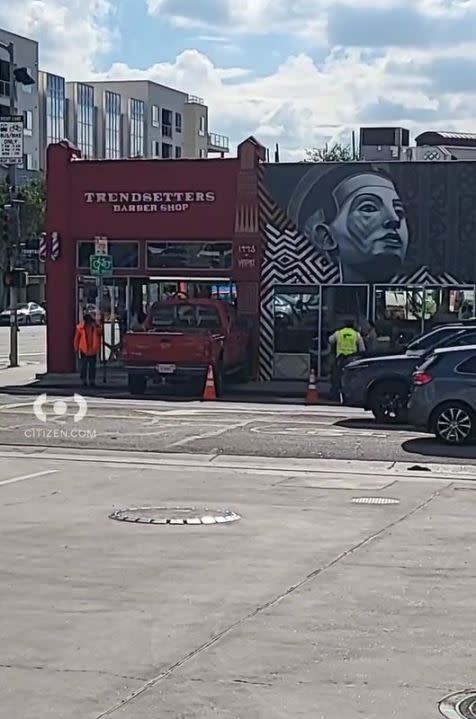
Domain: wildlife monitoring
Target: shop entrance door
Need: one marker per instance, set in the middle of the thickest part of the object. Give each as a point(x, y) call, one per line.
point(338, 304)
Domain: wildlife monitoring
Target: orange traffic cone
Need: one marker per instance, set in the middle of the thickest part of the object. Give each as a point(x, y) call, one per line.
point(312, 395)
point(210, 393)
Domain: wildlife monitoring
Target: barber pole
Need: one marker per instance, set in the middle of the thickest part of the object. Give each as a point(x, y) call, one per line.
point(42, 247)
point(55, 246)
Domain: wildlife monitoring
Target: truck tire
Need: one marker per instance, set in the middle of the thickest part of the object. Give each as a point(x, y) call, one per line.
point(137, 384)
point(388, 402)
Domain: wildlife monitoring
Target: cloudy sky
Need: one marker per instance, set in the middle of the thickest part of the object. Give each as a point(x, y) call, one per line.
point(297, 72)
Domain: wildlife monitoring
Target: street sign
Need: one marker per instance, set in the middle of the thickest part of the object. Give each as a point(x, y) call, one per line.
point(100, 265)
point(100, 246)
point(11, 140)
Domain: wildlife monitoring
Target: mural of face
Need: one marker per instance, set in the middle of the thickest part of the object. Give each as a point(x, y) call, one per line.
point(370, 229)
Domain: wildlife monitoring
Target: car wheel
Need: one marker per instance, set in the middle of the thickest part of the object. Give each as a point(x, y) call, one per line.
point(137, 384)
point(28, 320)
point(388, 402)
point(454, 423)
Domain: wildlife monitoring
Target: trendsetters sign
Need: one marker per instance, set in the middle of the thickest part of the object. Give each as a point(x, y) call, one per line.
point(149, 201)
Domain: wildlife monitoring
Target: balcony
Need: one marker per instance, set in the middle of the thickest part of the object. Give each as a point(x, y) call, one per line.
point(195, 100)
point(218, 143)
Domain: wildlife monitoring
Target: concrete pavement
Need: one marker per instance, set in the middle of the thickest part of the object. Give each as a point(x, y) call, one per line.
point(310, 606)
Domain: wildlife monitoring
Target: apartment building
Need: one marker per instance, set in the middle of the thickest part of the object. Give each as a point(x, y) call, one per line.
point(138, 118)
point(27, 100)
point(52, 112)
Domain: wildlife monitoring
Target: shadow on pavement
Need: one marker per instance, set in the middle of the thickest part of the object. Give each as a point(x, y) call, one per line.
point(371, 423)
point(432, 448)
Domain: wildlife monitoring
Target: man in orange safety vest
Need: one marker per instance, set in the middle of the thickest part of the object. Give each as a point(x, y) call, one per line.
point(87, 341)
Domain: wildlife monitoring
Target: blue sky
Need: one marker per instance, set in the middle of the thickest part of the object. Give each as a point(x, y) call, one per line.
point(297, 72)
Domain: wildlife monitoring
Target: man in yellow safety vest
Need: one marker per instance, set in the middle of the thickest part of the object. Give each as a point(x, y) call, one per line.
point(347, 342)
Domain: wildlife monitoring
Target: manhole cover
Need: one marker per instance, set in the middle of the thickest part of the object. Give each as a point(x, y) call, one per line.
point(375, 500)
point(174, 515)
point(461, 704)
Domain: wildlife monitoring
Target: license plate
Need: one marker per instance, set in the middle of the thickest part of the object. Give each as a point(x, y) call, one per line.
point(165, 368)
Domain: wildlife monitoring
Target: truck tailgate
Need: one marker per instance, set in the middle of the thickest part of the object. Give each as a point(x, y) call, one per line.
point(146, 348)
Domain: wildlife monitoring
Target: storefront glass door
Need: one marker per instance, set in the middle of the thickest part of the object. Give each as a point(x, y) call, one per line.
point(338, 304)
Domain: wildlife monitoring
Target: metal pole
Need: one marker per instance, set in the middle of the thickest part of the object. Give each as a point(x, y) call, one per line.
point(12, 191)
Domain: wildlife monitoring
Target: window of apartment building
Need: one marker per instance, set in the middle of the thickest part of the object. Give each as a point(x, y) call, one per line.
point(191, 255)
point(155, 115)
point(4, 79)
point(178, 122)
point(203, 126)
point(167, 120)
point(28, 162)
point(137, 114)
point(55, 109)
point(178, 153)
point(85, 119)
point(167, 151)
point(112, 125)
point(155, 148)
point(28, 122)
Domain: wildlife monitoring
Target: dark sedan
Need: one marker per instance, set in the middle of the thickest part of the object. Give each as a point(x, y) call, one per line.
point(443, 395)
point(382, 384)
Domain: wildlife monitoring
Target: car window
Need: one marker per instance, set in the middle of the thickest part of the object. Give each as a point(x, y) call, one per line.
point(465, 338)
point(432, 339)
point(468, 366)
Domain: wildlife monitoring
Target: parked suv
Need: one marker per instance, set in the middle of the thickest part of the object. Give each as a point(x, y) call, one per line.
point(381, 384)
point(443, 395)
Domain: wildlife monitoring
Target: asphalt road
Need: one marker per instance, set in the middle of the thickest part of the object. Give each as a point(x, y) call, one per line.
point(221, 428)
point(309, 606)
point(31, 344)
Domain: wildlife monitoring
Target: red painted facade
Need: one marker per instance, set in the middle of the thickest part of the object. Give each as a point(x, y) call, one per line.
point(140, 200)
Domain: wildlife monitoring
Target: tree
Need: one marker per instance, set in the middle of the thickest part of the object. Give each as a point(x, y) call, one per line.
point(29, 223)
point(335, 153)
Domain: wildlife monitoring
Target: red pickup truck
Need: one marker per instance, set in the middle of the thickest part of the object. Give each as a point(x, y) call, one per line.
point(180, 338)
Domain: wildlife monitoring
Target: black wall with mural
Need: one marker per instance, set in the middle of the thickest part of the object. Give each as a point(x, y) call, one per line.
point(377, 221)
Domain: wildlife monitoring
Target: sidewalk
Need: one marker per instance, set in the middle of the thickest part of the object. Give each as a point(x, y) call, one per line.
point(21, 376)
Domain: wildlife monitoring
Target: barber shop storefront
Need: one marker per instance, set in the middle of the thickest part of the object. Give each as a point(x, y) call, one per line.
point(187, 228)
point(297, 248)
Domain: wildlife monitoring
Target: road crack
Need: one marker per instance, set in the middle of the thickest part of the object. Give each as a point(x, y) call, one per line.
point(58, 670)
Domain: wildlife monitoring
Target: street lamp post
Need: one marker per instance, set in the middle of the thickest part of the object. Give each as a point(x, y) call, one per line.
point(22, 76)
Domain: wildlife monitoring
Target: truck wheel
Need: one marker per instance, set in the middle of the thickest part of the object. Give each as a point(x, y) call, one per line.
point(137, 384)
point(388, 402)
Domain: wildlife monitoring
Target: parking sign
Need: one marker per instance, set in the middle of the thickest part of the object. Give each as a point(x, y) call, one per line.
point(11, 139)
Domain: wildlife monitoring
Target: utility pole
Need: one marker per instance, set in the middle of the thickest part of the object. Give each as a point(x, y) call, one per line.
point(12, 182)
point(21, 76)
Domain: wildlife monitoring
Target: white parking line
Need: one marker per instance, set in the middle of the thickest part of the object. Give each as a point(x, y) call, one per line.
point(29, 476)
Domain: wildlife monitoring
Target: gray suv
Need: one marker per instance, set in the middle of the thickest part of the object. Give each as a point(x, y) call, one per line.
point(443, 395)
point(381, 384)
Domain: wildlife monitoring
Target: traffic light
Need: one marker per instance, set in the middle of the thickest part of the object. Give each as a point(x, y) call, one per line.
point(15, 278)
point(6, 225)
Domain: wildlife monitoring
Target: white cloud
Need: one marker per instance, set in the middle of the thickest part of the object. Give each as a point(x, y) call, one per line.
point(71, 33)
point(298, 104)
